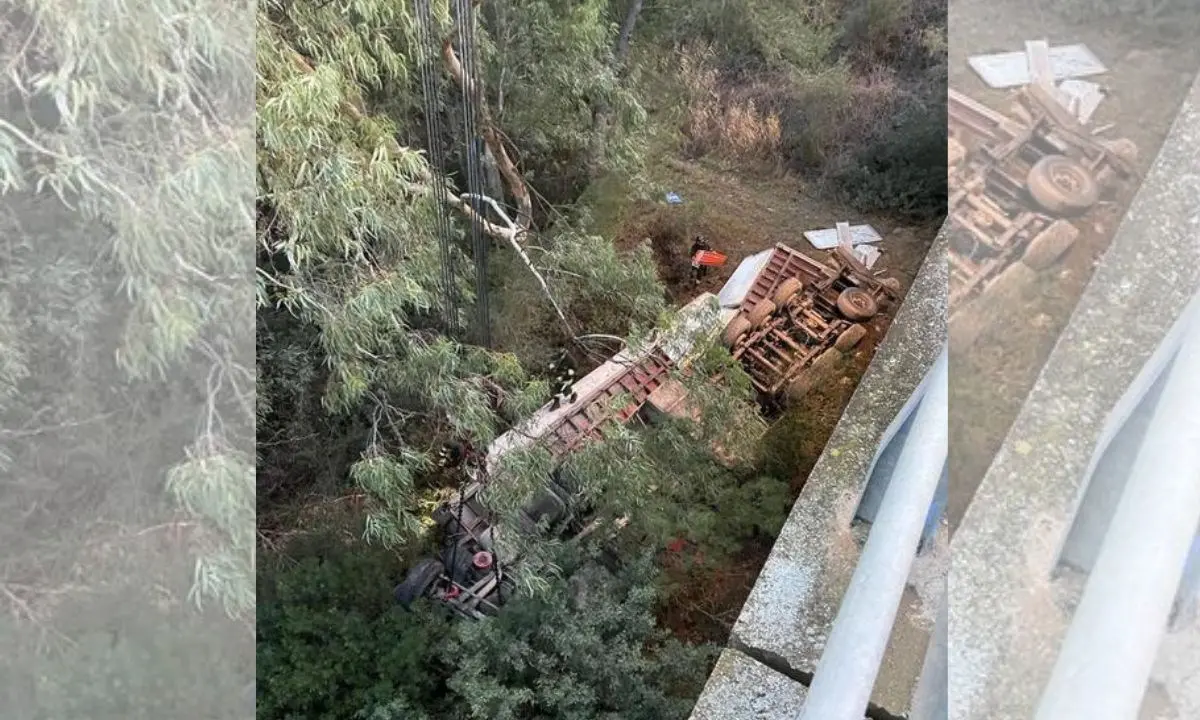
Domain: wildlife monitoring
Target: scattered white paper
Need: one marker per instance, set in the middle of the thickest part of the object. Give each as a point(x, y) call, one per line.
point(1083, 98)
point(867, 254)
point(827, 239)
point(1011, 69)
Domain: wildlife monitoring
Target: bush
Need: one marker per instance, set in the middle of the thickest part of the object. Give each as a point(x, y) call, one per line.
point(331, 642)
point(901, 168)
point(332, 646)
point(717, 122)
point(586, 650)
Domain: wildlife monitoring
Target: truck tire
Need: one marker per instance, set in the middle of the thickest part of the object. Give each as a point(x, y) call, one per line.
point(823, 366)
point(849, 338)
point(735, 331)
point(1061, 186)
point(417, 582)
point(1049, 245)
point(787, 290)
point(1124, 148)
point(798, 388)
point(857, 304)
point(760, 313)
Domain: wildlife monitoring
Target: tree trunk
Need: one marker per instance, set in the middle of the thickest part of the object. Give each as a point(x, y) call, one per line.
point(602, 111)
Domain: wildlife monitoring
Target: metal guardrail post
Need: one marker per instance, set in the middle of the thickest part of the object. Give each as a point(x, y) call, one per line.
point(931, 699)
point(1183, 612)
point(1109, 650)
point(849, 665)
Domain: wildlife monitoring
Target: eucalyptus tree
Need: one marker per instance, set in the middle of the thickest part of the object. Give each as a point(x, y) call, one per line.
point(125, 159)
point(351, 271)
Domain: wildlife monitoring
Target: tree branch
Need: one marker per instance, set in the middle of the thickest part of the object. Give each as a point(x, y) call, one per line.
point(358, 113)
point(512, 177)
point(516, 184)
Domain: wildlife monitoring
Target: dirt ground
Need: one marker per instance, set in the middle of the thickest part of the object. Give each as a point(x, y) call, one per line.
point(1148, 77)
point(741, 215)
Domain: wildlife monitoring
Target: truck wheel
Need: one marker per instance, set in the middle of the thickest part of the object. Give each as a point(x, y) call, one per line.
point(417, 582)
point(1061, 185)
point(760, 312)
point(1049, 245)
point(857, 304)
point(823, 366)
point(850, 338)
point(798, 388)
point(1123, 148)
point(736, 330)
point(787, 290)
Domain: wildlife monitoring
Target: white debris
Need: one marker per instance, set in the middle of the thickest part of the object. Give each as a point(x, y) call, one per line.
point(1011, 69)
point(828, 239)
point(1082, 98)
point(867, 254)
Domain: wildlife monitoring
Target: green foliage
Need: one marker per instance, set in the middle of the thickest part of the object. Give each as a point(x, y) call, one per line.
point(331, 642)
point(601, 288)
point(902, 167)
point(354, 253)
point(133, 663)
point(580, 652)
point(125, 137)
point(553, 65)
point(331, 646)
point(760, 34)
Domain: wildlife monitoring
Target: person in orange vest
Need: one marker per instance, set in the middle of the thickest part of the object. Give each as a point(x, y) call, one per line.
point(699, 245)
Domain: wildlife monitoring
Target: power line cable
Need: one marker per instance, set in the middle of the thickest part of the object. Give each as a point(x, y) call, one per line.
point(471, 81)
point(430, 89)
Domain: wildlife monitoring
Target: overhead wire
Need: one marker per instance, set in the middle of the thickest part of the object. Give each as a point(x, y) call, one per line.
point(430, 89)
point(465, 13)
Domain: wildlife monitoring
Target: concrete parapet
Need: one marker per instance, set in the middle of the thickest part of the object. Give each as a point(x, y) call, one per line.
point(1007, 611)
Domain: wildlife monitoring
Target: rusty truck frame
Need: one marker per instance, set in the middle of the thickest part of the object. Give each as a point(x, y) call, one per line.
point(801, 316)
point(1016, 183)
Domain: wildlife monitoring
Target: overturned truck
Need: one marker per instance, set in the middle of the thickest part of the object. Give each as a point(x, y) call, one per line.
point(470, 575)
point(1017, 182)
point(797, 316)
point(785, 315)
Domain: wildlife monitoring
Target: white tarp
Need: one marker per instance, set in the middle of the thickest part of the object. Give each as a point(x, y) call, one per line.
point(735, 289)
point(828, 239)
point(1011, 69)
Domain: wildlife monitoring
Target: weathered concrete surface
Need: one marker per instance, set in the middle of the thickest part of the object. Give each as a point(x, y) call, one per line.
point(741, 688)
point(787, 617)
point(1007, 614)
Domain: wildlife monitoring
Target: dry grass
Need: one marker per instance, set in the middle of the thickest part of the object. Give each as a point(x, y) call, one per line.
point(776, 123)
point(720, 122)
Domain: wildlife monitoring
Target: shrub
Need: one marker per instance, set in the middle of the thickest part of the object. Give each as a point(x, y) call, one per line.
point(901, 167)
point(718, 122)
point(331, 642)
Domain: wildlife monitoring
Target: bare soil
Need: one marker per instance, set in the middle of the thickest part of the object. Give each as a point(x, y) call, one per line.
point(1148, 77)
point(741, 214)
